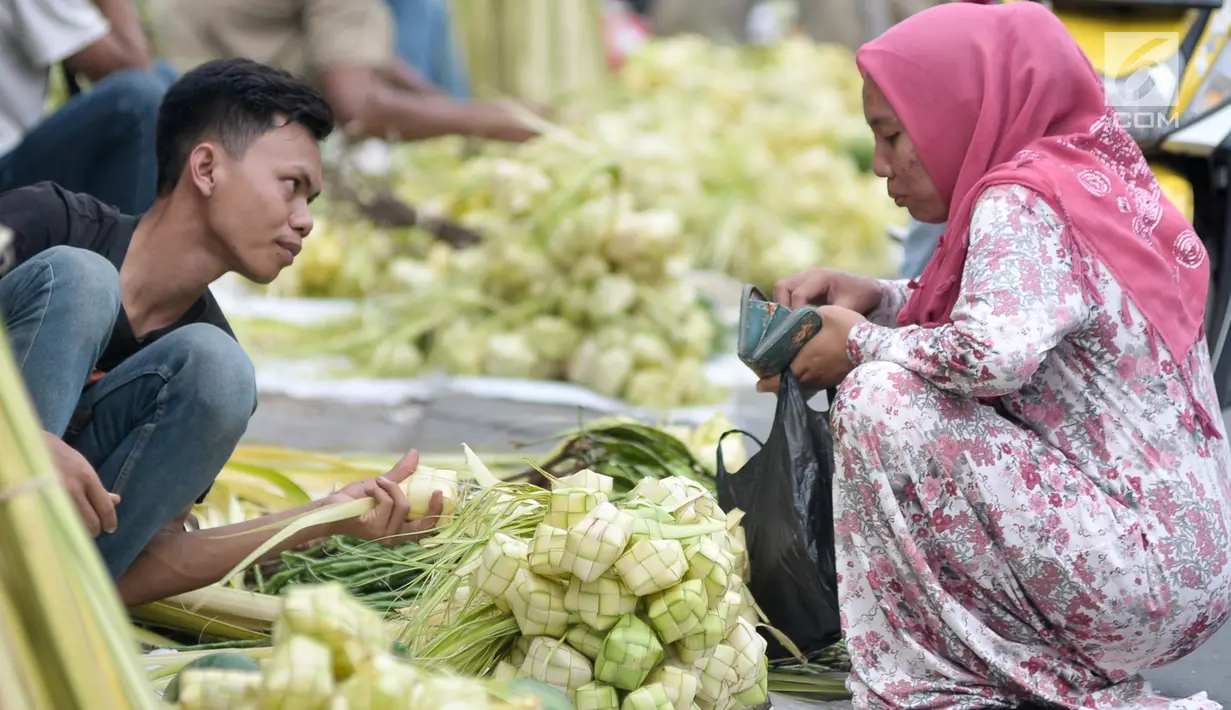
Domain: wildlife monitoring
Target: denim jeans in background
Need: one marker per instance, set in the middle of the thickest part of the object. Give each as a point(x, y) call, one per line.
point(921, 240)
point(100, 142)
point(425, 41)
point(159, 427)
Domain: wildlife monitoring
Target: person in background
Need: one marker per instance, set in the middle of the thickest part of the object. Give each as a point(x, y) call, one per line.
point(917, 249)
point(142, 390)
point(425, 42)
point(1032, 503)
point(101, 141)
point(346, 47)
point(849, 22)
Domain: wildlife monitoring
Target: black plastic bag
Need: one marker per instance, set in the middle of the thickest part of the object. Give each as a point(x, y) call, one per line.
point(791, 557)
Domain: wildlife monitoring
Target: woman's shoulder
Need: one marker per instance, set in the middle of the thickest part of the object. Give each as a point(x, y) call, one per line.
point(1017, 206)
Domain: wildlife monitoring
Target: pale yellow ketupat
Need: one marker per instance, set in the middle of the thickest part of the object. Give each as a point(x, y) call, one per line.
point(555, 662)
point(596, 541)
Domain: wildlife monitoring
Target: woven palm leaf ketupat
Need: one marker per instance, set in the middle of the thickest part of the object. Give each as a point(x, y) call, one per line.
point(65, 642)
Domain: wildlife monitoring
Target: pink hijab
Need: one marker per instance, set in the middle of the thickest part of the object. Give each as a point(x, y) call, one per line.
point(1003, 94)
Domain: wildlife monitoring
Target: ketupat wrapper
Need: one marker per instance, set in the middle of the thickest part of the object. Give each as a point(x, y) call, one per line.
point(449, 692)
point(585, 639)
point(567, 506)
point(678, 610)
point(650, 566)
point(680, 684)
point(652, 696)
point(629, 653)
point(426, 481)
point(554, 662)
point(505, 670)
point(600, 603)
point(381, 683)
point(758, 692)
point(714, 627)
point(587, 479)
point(519, 649)
point(547, 551)
point(219, 689)
point(750, 649)
point(716, 674)
point(707, 561)
point(538, 605)
point(328, 613)
point(503, 556)
point(650, 489)
point(299, 675)
point(596, 696)
point(596, 541)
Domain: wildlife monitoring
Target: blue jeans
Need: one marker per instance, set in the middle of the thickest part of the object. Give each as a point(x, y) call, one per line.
point(159, 427)
point(921, 240)
point(425, 41)
point(101, 142)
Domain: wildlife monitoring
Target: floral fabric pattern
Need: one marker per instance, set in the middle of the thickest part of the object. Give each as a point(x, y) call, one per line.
point(1025, 504)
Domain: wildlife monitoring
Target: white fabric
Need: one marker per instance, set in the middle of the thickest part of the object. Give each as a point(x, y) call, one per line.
point(34, 36)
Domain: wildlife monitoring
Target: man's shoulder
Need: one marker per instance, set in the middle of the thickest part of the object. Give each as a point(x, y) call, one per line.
point(52, 200)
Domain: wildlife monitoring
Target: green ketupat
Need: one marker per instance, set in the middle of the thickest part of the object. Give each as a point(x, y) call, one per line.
point(648, 697)
point(596, 696)
point(299, 675)
point(350, 630)
point(587, 640)
point(600, 603)
point(651, 566)
point(680, 684)
point(503, 557)
point(676, 611)
point(629, 653)
point(538, 605)
point(595, 542)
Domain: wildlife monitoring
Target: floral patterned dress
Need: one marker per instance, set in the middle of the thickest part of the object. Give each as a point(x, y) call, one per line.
point(1026, 505)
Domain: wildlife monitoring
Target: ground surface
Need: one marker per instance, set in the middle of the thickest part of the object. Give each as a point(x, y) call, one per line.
point(440, 424)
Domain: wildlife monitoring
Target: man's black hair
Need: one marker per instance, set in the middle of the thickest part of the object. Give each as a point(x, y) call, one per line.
point(232, 101)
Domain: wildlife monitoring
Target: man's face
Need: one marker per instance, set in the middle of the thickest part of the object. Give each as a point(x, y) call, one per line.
point(259, 206)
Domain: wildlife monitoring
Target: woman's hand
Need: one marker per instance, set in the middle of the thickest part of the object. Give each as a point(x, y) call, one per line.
point(822, 362)
point(387, 523)
point(827, 287)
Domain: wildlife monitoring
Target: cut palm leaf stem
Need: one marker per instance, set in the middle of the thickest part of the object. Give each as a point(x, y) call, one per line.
point(58, 600)
point(162, 665)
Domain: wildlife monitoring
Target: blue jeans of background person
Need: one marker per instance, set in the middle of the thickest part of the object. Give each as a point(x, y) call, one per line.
point(100, 142)
point(921, 240)
point(425, 41)
point(160, 426)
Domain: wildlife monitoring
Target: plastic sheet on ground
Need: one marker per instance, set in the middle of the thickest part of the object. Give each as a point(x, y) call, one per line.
point(315, 378)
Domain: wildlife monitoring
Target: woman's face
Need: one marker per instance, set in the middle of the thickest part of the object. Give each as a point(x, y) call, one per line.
point(895, 160)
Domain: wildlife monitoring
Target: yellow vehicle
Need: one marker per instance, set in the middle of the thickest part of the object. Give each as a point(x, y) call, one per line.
point(1166, 65)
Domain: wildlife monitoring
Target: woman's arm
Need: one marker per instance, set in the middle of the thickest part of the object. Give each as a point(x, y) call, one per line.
point(893, 298)
point(1019, 298)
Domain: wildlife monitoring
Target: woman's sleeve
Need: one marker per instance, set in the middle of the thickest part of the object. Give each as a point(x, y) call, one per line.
point(1019, 298)
point(893, 298)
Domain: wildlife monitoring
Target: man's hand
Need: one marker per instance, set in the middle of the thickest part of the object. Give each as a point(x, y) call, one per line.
point(822, 362)
point(94, 503)
point(827, 287)
point(387, 523)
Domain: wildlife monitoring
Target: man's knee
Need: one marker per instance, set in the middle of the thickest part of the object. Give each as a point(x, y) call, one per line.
point(216, 376)
point(133, 94)
point(87, 280)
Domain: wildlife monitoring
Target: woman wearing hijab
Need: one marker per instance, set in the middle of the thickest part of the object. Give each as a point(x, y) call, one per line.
point(1032, 502)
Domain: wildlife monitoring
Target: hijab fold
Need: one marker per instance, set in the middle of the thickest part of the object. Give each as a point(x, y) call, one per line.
point(1002, 94)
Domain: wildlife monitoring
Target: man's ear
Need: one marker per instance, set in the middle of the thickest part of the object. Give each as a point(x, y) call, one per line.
point(205, 163)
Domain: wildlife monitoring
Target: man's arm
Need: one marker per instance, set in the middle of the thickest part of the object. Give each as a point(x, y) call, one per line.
point(352, 51)
point(176, 561)
point(403, 76)
point(90, 39)
point(370, 106)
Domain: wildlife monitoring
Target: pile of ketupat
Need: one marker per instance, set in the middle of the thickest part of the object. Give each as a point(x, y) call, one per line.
point(331, 652)
point(748, 161)
point(625, 604)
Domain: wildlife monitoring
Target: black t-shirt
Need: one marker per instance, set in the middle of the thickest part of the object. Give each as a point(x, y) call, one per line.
point(46, 215)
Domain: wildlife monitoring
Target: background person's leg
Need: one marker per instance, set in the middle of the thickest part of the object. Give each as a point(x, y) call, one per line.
point(59, 309)
point(101, 142)
point(160, 427)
